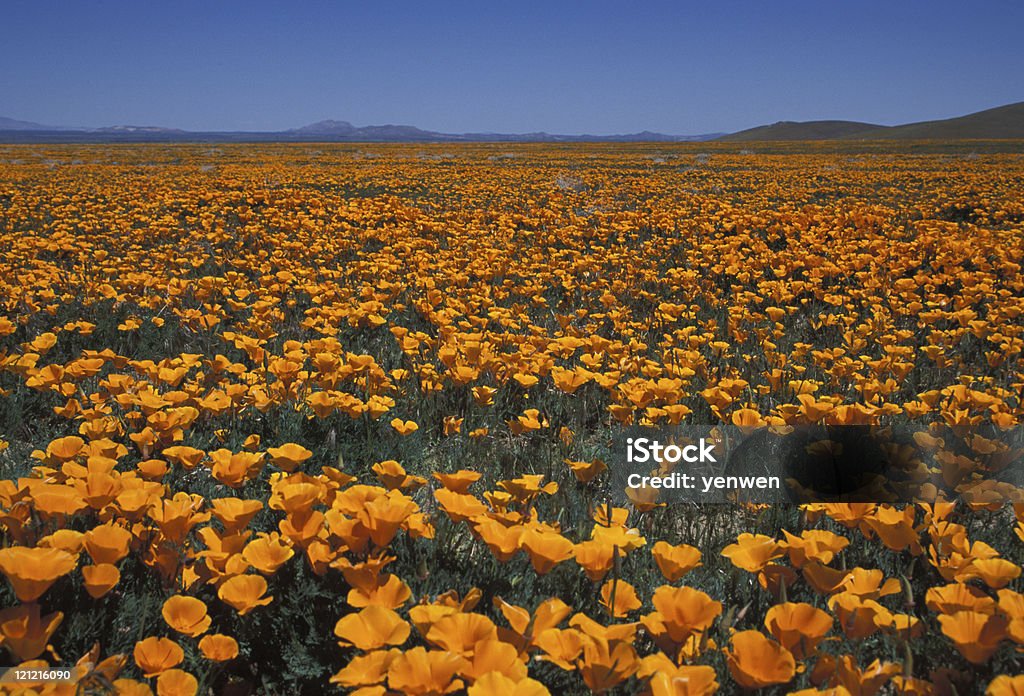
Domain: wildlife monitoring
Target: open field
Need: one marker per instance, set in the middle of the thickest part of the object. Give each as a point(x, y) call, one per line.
point(314, 418)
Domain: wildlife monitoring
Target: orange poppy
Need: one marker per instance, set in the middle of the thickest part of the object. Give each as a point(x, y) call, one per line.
point(100, 579)
point(389, 591)
point(560, 646)
point(234, 469)
point(546, 549)
point(813, 545)
point(366, 670)
point(176, 682)
point(498, 683)
point(595, 557)
point(798, 627)
point(524, 627)
point(619, 598)
point(858, 617)
point(244, 593)
point(757, 662)
point(155, 655)
point(752, 552)
point(493, 656)
point(585, 472)
point(217, 647)
point(459, 481)
point(31, 571)
point(371, 628)
point(1006, 685)
point(460, 631)
point(668, 679)
point(976, 636)
point(107, 543)
point(607, 663)
point(186, 615)
point(681, 612)
point(267, 553)
point(24, 633)
point(404, 427)
point(675, 561)
point(289, 456)
point(420, 672)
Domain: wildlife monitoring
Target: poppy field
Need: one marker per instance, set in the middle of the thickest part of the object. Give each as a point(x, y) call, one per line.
point(311, 418)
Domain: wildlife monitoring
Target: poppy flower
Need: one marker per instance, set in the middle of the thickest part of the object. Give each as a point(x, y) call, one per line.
point(949, 599)
point(176, 682)
point(64, 448)
point(289, 456)
point(107, 543)
point(498, 683)
point(186, 615)
point(57, 502)
point(895, 528)
point(813, 545)
point(869, 584)
point(459, 481)
point(585, 472)
point(267, 553)
point(606, 663)
point(217, 647)
point(460, 507)
point(31, 571)
point(757, 662)
point(371, 628)
point(798, 627)
point(100, 579)
point(683, 611)
point(752, 552)
point(234, 469)
point(460, 631)
point(560, 646)
point(244, 593)
point(545, 549)
point(177, 516)
point(421, 672)
point(404, 427)
point(490, 656)
point(675, 561)
point(366, 670)
point(155, 655)
point(393, 475)
point(389, 591)
point(523, 627)
point(24, 632)
point(595, 557)
point(858, 617)
point(995, 572)
point(667, 679)
point(1005, 685)
point(867, 680)
point(624, 538)
point(976, 636)
point(619, 598)
point(65, 540)
point(386, 514)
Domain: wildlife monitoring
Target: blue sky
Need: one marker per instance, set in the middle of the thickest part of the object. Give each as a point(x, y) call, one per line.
point(568, 67)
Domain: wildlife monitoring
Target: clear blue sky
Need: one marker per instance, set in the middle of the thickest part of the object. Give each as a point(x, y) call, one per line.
point(565, 67)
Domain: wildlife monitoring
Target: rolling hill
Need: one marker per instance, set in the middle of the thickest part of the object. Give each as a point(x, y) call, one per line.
point(1002, 122)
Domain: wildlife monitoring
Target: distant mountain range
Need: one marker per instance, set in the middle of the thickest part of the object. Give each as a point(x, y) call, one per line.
point(1004, 122)
point(13, 131)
